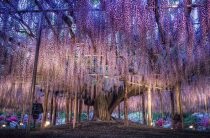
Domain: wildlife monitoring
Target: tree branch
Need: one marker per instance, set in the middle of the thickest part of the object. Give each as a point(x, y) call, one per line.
point(23, 24)
point(120, 97)
point(66, 19)
point(46, 17)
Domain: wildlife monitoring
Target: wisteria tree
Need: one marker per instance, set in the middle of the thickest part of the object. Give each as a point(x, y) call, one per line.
point(103, 51)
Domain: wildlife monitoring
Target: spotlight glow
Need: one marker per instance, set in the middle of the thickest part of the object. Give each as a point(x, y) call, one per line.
point(47, 123)
point(175, 6)
point(191, 127)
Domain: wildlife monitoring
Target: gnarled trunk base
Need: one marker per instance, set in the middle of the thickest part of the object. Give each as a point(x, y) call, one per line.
point(104, 105)
point(101, 108)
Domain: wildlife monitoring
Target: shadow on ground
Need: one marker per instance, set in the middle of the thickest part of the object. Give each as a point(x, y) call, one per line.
point(102, 130)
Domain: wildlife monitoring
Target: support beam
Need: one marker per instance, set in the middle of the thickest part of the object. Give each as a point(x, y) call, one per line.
point(32, 11)
point(78, 105)
point(33, 83)
point(126, 104)
point(55, 107)
point(149, 105)
point(71, 108)
point(161, 103)
point(75, 110)
point(80, 109)
point(25, 11)
point(51, 107)
point(143, 108)
point(206, 104)
point(88, 112)
point(119, 111)
point(179, 101)
point(46, 97)
point(67, 108)
point(172, 107)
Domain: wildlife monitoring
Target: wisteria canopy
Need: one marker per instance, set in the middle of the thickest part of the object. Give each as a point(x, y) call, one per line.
point(100, 49)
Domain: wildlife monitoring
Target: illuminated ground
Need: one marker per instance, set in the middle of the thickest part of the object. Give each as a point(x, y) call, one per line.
point(104, 129)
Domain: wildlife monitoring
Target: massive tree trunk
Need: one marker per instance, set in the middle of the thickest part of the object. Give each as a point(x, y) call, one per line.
point(104, 105)
point(101, 108)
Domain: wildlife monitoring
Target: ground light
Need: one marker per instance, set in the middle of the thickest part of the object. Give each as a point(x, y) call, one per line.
point(3, 125)
point(191, 127)
point(47, 123)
